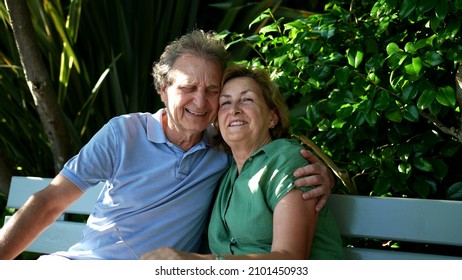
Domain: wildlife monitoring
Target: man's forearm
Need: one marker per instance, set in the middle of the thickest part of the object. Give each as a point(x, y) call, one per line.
point(23, 227)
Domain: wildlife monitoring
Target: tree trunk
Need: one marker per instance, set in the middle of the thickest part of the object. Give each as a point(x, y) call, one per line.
point(5, 172)
point(39, 82)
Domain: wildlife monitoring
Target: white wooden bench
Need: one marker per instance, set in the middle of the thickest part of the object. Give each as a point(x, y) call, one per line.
point(420, 221)
point(398, 219)
point(63, 233)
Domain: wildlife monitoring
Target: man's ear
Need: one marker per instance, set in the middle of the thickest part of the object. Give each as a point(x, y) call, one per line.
point(163, 95)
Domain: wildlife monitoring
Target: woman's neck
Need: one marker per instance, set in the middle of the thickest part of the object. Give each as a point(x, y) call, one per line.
point(243, 150)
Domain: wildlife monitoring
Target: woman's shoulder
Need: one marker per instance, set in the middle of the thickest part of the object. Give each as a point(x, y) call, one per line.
point(285, 145)
point(287, 150)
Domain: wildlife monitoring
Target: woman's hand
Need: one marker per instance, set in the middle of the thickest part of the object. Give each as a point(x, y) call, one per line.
point(167, 253)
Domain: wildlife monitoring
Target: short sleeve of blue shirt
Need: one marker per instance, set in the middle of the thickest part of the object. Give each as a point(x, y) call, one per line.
point(96, 161)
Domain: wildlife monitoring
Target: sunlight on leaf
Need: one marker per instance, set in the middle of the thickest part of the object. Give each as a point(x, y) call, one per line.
point(446, 96)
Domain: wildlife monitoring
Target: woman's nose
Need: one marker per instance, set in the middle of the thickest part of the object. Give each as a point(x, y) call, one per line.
point(234, 110)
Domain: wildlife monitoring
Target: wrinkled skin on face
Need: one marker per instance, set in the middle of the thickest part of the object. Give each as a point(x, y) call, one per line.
point(191, 99)
point(244, 117)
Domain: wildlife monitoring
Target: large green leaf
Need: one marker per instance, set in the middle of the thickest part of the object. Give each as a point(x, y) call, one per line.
point(455, 191)
point(439, 168)
point(423, 164)
point(411, 113)
point(426, 99)
point(422, 187)
point(442, 10)
point(433, 58)
point(394, 115)
point(392, 48)
point(458, 4)
point(407, 7)
point(341, 75)
point(446, 96)
point(426, 5)
point(414, 67)
point(355, 56)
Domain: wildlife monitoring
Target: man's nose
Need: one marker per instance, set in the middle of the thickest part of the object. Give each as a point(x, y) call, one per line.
point(200, 98)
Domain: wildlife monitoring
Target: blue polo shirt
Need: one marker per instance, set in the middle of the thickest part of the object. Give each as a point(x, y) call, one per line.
point(155, 194)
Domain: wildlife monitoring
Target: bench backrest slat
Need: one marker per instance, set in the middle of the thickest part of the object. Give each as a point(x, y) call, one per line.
point(23, 187)
point(61, 234)
point(377, 254)
point(404, 219)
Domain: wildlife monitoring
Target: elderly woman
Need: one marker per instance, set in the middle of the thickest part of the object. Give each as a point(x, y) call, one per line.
point(258, 212)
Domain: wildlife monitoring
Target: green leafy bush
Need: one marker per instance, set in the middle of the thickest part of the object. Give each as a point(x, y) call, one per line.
point(373, 85)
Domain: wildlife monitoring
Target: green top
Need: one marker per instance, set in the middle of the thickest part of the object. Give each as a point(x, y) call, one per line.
point(242, 217)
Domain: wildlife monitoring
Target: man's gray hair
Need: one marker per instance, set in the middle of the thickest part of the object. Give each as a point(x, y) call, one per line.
point(206, 45)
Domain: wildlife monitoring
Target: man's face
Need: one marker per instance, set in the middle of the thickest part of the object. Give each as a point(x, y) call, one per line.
point(191, 98)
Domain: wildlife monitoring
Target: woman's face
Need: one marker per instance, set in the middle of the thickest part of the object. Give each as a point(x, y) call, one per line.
point(243, 116)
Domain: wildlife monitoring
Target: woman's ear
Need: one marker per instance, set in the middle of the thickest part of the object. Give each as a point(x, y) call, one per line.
point(274, 119)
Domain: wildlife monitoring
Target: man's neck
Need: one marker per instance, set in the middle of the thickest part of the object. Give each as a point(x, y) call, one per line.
point(183, 140)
